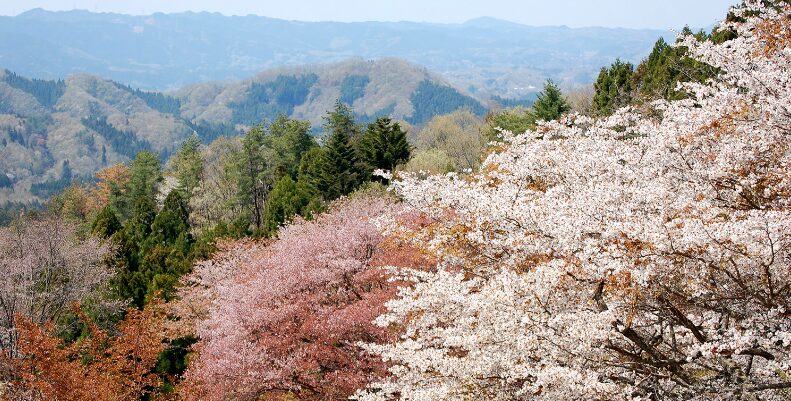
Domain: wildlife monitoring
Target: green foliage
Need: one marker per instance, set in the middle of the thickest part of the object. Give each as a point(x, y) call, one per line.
point(288, 199)
point(122, 142)
point(188, 165)
point(171, 225)
point(384, 145)
point(550, 103)
point(517, 120)
point(285, 142)
point(266, 101)
point(253, 181)
point(46, 92)
point(339, 171)
point(154, 249)
point(526, 101)
point(156, 100)
point(431, 99)
point(658, 76)
point(430, 161)
point(145, 174)
point(614, 88)
point(106, 223)
point(353, 88)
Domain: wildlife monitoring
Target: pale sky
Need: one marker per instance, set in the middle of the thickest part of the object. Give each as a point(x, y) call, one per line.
point(660, 14)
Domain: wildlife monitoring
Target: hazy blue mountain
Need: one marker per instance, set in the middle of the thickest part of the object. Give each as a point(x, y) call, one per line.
point(167, 51)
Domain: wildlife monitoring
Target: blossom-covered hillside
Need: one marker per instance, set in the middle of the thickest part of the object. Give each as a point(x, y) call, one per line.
point(641, 256)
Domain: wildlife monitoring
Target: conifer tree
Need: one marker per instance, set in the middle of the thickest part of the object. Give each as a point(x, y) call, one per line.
point(285, 142)
point(340, 172)
point(384, 145)
point(188, 165)
point(614, 88)
point(288, 199)
point(171, 222)
point(145, 174)
point(550, 103)
point(106, 223)
point(253, 183)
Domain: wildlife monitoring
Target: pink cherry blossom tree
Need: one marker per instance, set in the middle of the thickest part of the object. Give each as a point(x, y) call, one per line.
point(283, 319)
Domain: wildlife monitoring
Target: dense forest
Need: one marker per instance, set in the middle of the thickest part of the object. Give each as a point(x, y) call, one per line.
point(630, 244)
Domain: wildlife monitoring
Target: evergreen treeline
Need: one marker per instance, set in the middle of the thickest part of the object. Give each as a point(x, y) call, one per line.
point(431, 99)
point(123, 142)
point(46, 92)
point(353, 88)
point(46, 189)
point(156, 100)
point(265, 101)
point(508, 103)
point(656, 77)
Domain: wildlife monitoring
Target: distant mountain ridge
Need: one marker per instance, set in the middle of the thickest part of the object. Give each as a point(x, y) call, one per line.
point(166, 51)
point(74, 127)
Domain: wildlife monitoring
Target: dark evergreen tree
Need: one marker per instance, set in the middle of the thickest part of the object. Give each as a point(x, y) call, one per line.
point(339, 175)
point(550, 103)
point(171, 222)
point(384, 145)
point(106, 223)
point(288, 199)
point(188, 166)
point(614, 88)
point(285, 142)
point(339, 166)
point(131, 281)
point(253, 182)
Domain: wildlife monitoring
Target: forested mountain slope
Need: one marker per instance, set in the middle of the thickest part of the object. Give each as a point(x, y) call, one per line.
point(52, 132)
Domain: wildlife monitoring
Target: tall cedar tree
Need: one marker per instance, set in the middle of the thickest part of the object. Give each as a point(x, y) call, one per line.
point(340, 172)
point(288, 199)
point(614, 88)
point(188, 166)
point(285, 142)
point(253, 183)
point(550, 103)
point(384, 145)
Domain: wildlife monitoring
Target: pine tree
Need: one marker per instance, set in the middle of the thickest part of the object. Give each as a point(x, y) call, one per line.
point(550, 103)
point(340, 171)
point(384, 145)
point(188, 166)
point(288, 199)
point(145, 174)
point(106, 223)
point(253, 183)
point(341, 118)
point(614, 88)
point(171, 222)
point(285, 142)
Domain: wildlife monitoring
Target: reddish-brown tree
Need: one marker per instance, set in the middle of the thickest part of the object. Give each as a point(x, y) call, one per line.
point(98, 367)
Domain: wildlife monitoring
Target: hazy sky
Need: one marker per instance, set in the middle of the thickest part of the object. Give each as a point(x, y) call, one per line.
point(663, 14)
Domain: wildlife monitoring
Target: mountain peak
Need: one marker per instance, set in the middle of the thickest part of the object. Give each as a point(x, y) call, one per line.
point(490, 22)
